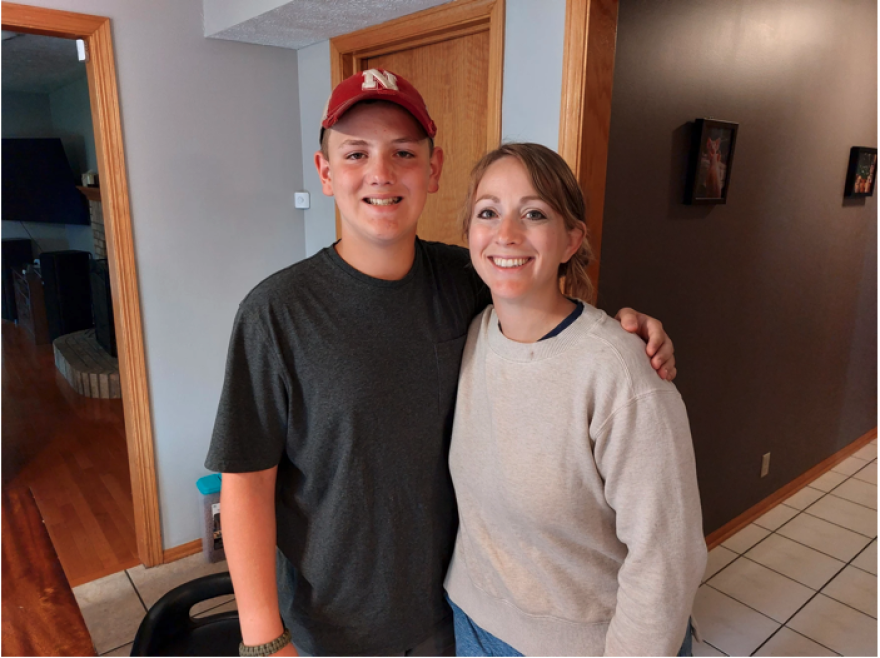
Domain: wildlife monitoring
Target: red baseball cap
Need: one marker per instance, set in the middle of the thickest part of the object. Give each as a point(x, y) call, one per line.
point(376, 84)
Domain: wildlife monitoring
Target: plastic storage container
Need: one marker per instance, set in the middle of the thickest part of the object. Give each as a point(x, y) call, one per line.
point(212, 534)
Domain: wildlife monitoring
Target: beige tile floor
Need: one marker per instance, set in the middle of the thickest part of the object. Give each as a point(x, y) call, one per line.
point(114, 606)
point(802, 579)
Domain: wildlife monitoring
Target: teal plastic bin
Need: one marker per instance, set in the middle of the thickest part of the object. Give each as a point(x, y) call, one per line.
point(212, 532)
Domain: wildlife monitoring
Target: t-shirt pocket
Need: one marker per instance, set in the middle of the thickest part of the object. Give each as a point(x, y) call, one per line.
point(448, 355)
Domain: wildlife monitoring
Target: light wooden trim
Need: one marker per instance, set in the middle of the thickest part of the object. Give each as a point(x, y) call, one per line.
point(182, 551)
point(104, 97)
point(49, 22)
point(423, 28)
point(585, 109)
point(496, 75)
point(727, 531)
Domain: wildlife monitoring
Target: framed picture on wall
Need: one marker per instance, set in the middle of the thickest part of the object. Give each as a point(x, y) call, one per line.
point(711, 161)
point(861, 173)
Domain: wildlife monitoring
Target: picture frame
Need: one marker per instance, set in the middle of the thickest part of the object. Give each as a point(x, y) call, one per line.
point(861, 173)
point(711, 162)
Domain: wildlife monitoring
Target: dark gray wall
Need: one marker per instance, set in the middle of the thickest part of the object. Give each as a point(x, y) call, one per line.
point(771, 299)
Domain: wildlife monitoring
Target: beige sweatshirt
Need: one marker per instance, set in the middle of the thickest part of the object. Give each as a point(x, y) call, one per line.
point(581, 532)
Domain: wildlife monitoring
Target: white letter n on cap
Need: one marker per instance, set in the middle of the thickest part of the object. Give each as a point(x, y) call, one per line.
point(373, 78)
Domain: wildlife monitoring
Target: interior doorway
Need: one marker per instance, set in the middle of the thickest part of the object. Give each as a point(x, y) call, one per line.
point(62, 440)
point(95, 32)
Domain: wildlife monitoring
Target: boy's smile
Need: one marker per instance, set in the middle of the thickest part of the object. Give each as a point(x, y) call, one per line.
point(380, 170)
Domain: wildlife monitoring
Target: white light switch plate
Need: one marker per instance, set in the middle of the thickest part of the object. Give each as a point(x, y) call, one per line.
point(301, 199)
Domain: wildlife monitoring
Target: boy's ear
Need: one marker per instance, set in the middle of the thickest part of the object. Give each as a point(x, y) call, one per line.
point(322, 164)
point(436, 164)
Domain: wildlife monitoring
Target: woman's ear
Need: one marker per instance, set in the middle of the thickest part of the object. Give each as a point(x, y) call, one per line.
point(575, 240)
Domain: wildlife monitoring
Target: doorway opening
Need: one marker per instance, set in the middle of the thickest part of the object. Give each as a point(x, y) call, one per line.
point(62, 438)
point(94, 31)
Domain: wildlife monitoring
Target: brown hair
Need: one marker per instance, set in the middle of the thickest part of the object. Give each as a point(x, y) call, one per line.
point(557, 186)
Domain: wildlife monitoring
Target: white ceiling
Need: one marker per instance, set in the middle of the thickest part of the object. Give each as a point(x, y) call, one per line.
point(300, 23)
point(39, 65)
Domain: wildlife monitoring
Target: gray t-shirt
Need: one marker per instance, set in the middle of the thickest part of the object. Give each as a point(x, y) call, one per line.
point(348, 384)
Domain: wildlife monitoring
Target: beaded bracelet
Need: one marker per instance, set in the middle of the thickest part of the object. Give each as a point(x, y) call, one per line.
point(266, 649)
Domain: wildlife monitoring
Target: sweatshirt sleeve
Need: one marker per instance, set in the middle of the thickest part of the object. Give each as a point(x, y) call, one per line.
point(645, 455)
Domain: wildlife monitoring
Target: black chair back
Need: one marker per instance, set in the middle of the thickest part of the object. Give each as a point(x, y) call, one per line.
point(169, 630)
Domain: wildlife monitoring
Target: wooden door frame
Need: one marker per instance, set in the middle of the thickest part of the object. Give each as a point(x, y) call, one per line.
point(585, 111)
point(104, 98)
point(456, 19)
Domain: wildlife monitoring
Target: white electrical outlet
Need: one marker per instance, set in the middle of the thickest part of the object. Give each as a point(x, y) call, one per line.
point(765, 464)
point(301, 200)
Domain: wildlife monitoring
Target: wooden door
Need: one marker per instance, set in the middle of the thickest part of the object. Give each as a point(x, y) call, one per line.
point(453, 55)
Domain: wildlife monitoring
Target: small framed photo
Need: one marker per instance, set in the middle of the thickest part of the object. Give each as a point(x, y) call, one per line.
point(711, 161)
point(861, 172)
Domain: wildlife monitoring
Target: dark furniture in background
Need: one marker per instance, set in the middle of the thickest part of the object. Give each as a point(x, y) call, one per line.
point(67, 289)
point(102, 306)
point(30, 305)
point(169, 630)
point(39, 185)
point(16, 254)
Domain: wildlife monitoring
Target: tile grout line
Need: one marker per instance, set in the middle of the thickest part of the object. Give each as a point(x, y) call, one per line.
point(804, 511)
point(843, 526)
point(831, 493)
point(744, 604)
point(815, 592)
point(811, 640)
point(847, 479)
point(779, 573)
point(714, 647)
point(146, 609)
point(805, 604)
point(776, 632)
point(773, 532)
point(115, 648)
point(849, 564)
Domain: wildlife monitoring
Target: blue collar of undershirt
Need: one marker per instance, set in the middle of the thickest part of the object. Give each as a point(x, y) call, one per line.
point(574, 315)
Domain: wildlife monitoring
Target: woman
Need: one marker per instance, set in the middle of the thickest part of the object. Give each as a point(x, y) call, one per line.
point(572, 461)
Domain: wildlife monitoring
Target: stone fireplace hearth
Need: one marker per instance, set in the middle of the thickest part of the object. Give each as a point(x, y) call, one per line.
point(86, 366)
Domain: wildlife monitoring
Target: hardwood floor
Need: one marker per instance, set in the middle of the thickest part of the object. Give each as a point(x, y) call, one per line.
point(40, 614)
point(70, 451)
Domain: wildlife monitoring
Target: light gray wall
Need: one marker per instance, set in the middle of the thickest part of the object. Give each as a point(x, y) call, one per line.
point(533, 48)
point(72, 118)
point(534, 36)
point(212, 145)
point(26, 115)
point(314, 90)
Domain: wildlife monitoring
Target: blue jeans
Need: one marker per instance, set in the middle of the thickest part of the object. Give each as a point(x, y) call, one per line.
point(471, 640)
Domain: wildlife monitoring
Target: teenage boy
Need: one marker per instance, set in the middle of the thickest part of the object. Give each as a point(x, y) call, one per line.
point(335, 417)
